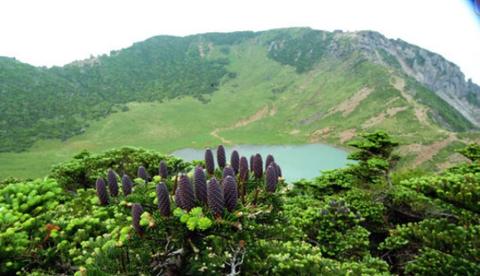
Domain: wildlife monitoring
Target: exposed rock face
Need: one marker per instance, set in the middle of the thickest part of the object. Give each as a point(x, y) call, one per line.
point(301, 47)
point(430, 69)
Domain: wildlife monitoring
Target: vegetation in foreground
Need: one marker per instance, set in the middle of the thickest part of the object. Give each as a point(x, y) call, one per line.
point(85, 219)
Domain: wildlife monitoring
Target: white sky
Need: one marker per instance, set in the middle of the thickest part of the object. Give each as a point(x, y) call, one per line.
point(55, 32)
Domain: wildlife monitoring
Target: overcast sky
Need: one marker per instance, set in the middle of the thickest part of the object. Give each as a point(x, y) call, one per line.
point(52, 32)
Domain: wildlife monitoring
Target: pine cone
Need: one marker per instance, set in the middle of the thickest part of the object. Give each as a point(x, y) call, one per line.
point(200, 182)
point(112, 182)
point(279, 170)
point(268, 161)
point(209, 162)
point(187, 195)
point(137, 211)
point(126, 185)
point(143, 174)
point(271, 179)
point(215, 197)
point(252, 158)
point(101, 191)
point(163, 170)
point(163, 199)
point(230, 193)
point(243, 170)
point(228, 171)
point(221, 157)
point(178, 198)
point(258, 166)
point(235, 161)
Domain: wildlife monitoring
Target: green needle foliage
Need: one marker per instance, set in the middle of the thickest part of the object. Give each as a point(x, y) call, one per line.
point(349, 221)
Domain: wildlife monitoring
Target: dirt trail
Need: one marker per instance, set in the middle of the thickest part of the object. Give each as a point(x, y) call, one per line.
point(427, 152)
point(260, 114)
point(347, 135)
point(420, 110)
point(392, 111)
point(348, 106)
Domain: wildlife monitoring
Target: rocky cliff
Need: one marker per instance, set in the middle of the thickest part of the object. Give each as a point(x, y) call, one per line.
point(430, 69)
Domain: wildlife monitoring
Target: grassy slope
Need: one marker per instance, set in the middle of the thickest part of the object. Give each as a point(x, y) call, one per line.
point(186, 122)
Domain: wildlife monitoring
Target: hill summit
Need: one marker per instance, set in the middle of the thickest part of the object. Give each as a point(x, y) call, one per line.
point(300, 84)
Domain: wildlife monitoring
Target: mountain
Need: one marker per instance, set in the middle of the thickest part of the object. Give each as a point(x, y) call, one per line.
point(291, 85)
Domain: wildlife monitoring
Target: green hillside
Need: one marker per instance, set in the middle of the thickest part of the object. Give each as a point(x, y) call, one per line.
point(166, 93)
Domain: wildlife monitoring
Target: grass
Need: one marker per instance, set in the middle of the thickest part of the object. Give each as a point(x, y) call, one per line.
point(187, 122)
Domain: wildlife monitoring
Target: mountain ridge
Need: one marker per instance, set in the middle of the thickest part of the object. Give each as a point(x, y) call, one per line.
point(208, 76)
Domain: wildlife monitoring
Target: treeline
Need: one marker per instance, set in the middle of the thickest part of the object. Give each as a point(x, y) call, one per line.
point(38, 103)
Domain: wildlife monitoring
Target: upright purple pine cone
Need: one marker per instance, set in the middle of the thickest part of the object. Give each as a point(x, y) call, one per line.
point(186, 192)
point(230, 193)
point(252, 158)
point(215, 197)
point(243, 170)
point(209, 162)
point(221, 157)
point(163, 199)
point(258, 166)
point(112, 182)
point(200, 182)
point(228, 171)
point(279, 170)
point(268, 161)
point(178, 198)
point(126, 185)
point(235, 161)
point(163, 170)
point(137, 211)
point(143, 174)
point(101, 191)
point(271, 179)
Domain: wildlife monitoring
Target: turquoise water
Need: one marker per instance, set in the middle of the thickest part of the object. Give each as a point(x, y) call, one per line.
point(296, 161)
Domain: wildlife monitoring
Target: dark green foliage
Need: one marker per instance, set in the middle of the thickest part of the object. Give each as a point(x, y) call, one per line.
point(300, 49)
point(337, 224)
point(230, 192)
point(83, 170)
point(209, 162)
point(235, 161)
point(200, 181)
point(112, 182)
point(374, 156)
point(60, 101)
point(472, 152)
point(221, 157)
point(101, 191)
point(216, 201)
point(163, 199)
